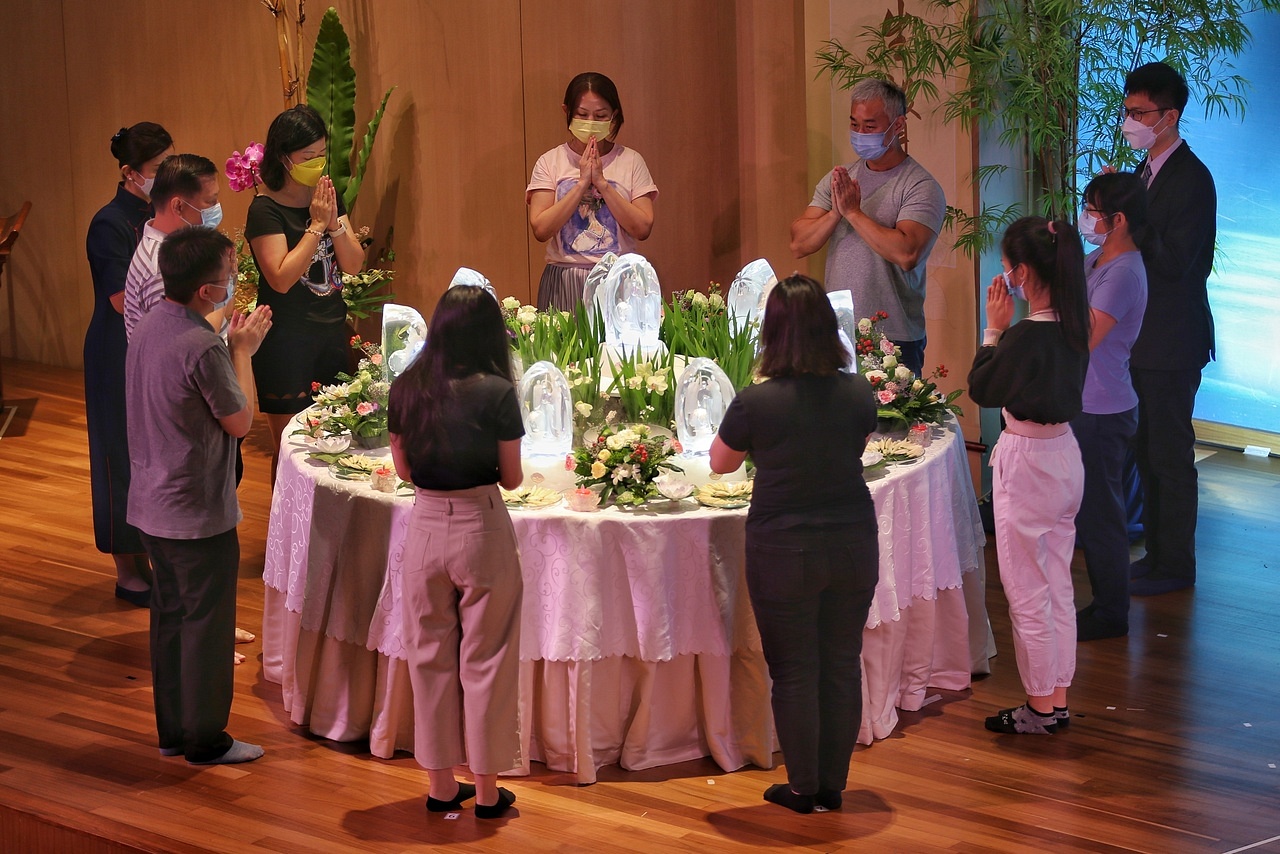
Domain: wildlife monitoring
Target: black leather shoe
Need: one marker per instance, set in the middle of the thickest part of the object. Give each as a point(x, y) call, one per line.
point(138, 598)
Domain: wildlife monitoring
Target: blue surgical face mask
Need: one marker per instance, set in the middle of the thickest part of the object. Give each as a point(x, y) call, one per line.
point(209, 217)
point(1089, 229)
point(869, 146)
point(230, 295)
point(1014, 290)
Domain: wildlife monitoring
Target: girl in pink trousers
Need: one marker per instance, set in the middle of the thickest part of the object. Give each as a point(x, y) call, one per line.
point(1034, 371)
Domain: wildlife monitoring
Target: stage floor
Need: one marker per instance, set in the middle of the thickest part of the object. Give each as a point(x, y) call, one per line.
point(1174, 746)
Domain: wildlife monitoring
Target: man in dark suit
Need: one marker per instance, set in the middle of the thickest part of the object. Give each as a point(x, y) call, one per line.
point(1176, 340)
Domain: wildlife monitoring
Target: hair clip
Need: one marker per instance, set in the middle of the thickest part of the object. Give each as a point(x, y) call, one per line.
point(119, 134)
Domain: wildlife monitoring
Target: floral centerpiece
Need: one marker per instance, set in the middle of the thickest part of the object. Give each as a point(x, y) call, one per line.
point(356, 404)
point(902, 398)
point(624, 462)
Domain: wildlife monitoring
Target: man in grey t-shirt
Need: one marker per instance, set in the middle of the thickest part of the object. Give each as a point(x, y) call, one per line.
point(881, 215)
point(187, 400)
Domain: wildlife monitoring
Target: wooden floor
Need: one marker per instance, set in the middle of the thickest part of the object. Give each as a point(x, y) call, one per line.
point(1175, 744)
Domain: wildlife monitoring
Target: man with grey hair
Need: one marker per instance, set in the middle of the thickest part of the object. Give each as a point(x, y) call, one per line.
point(881, 214)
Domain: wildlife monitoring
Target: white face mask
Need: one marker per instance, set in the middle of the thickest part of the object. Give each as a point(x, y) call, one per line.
point(1139, 136)
point(146, 185)
point(1089, 229)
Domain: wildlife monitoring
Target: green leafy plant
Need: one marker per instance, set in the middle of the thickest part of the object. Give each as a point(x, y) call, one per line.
point(331, 90)
point(696, 324)
point(1048, 75)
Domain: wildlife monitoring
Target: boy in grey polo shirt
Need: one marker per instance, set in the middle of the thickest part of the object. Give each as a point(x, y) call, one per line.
point(186, 396)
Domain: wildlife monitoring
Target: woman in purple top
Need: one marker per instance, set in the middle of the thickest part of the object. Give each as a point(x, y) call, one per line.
point(1115, 219)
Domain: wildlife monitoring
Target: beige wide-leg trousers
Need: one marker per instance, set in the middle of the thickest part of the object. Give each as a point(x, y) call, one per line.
point(462, 593)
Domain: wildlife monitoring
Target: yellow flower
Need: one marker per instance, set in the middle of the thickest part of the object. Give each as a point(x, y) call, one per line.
point(603, 456)
point(597, 469)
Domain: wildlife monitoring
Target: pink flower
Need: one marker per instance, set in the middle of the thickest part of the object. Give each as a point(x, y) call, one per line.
point(568, 462)
point(243, 169)
point(375, 358)
point(886, 346)
point(366, 407)
point(885, 397)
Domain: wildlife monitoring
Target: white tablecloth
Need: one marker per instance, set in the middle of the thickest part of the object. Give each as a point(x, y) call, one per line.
point(638, 644)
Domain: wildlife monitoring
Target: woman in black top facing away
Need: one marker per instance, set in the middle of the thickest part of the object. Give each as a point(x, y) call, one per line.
point(812, 547)
point(302, 243)
point(113, 236)
point(1035, 372)
point(455, 433)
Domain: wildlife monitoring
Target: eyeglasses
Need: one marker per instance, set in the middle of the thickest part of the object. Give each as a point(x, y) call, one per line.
point(1131, 113)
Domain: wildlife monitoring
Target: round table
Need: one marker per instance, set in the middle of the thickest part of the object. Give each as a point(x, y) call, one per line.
point(638, 644)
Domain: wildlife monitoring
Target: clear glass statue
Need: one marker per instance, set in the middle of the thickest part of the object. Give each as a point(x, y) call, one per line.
point(703, 393)
point(473, 278)
point(595, 279)
point(546, 406)
point(404, 333)
point(747, 293)
point(632, 301)
point(842, 302)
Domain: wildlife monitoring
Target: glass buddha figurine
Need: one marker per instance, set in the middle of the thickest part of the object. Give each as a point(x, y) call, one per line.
point(747, 293)
point(703, 393)
point(632, 301)
point(546, 406)
point(596, 278)
point(842, 302)
point(403, 334)
point(468, 277)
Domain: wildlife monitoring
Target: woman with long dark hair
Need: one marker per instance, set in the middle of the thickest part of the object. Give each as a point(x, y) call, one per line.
point(455, 433)
point(1034, 370)
point(589, 196)
point(1115, 220)
point(113, 235)
point(812, 547)
point(302, 243)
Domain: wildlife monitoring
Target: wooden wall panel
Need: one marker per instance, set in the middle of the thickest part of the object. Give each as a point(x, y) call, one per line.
point(448, 166)
point(713, 92)
point(674, 64)
point(771, 128)
point(38, 293)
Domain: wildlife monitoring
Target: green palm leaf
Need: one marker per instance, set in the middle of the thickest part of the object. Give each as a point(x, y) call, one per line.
point(331, 89)
point(353, 188)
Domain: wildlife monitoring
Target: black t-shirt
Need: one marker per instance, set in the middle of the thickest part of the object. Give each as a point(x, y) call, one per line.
point(317, 296)
point(1032, 372)
point(806, 436)
point(482, 413)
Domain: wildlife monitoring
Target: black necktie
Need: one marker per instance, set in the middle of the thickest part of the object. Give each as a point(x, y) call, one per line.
point(1146, 173)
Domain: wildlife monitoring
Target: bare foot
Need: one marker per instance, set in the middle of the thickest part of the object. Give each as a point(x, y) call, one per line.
point(238, 658)
point(243, 636)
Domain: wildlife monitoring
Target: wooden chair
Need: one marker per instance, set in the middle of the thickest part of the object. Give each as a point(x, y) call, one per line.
point(9, 228)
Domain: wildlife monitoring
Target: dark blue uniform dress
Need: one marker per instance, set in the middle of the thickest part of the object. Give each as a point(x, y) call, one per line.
point(113, 235)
